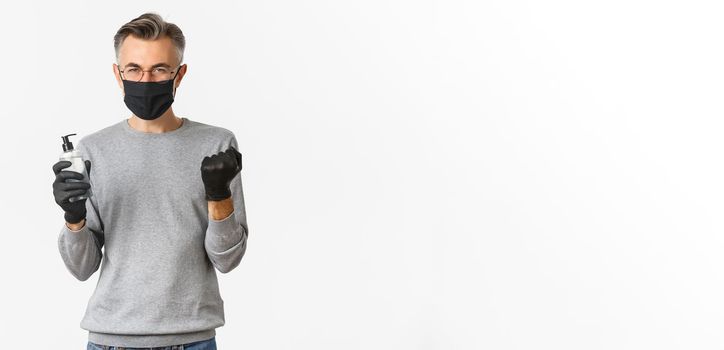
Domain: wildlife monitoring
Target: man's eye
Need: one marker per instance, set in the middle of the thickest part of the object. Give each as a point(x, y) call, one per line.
point(132, 70)
point(160, 70)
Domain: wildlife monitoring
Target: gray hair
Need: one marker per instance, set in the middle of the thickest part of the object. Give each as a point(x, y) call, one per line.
point(150, 26)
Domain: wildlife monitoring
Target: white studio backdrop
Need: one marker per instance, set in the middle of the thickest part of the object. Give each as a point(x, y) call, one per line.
point(417, 174)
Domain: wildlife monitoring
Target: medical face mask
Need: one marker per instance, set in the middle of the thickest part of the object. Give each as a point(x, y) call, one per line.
point(148, 100)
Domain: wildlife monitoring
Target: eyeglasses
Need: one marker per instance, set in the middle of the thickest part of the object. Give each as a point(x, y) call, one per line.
point(158, 74)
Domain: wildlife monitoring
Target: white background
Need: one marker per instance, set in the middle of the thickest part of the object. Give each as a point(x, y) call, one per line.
point(417, 174)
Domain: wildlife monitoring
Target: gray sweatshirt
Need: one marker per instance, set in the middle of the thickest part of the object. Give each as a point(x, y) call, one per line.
point(148, 229)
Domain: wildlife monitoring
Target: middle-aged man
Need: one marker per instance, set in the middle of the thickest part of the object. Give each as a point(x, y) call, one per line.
point(166, 203)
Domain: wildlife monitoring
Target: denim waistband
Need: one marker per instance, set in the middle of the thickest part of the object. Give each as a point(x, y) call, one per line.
point(160, 341)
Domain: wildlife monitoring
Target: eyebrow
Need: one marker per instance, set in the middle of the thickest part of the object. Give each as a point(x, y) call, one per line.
point(131, 64)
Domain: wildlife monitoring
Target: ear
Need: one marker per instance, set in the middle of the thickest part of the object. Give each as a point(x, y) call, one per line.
point(180, 75)
point(117, 74)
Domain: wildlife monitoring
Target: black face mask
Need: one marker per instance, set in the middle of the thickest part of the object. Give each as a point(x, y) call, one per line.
point(148, 100)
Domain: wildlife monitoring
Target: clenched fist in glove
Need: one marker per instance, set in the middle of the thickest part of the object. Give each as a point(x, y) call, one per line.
point(64, 190)
point(217, 171)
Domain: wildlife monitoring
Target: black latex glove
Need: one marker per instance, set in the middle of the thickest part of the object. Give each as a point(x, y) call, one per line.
point(63, 190)
point(217, 171)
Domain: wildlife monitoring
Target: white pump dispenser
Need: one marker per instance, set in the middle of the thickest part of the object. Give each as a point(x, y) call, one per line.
point(78, 165)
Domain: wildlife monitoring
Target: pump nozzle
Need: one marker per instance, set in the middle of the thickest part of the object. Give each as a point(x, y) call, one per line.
point(67, 145)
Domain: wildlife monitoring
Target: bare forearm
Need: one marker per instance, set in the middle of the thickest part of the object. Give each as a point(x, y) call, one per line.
point(221, 209)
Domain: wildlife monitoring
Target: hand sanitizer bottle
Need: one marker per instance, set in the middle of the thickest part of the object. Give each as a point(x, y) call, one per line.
point(78, 165)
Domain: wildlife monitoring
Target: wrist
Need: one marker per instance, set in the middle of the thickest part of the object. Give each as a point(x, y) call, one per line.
point(222, 209)
point(76, 226)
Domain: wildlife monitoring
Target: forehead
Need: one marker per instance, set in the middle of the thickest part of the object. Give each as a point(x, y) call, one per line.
point(147, 52)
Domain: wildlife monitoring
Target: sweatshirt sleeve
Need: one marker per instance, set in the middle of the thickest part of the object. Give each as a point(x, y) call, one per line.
point(225, 240)
point(81, 250)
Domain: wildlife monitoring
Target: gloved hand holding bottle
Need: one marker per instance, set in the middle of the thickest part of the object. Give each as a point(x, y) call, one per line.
point(64, 190)
point(217, 171)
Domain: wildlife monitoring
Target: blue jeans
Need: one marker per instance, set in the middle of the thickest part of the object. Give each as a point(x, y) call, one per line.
point(209, 344)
